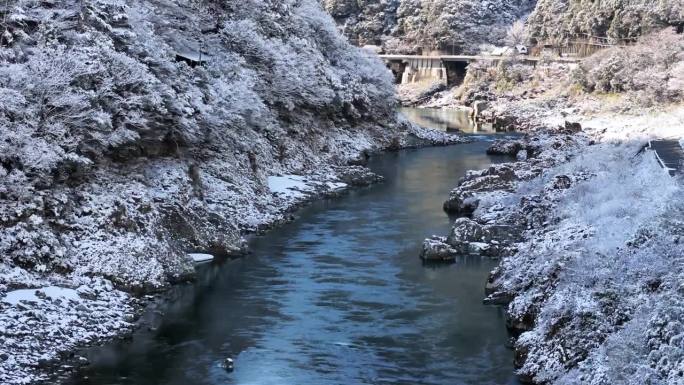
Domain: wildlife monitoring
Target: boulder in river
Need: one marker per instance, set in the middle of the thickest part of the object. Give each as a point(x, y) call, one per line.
point(358, 176)
point(436, 249)
point(228, 364)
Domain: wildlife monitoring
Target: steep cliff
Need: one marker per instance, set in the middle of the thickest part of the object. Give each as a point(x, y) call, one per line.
point(113, 131)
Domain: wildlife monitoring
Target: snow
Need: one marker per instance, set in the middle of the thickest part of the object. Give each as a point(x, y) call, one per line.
point(200, 258)
point(335, 186)
point(29, 295)
point(289, 186)
point(592, 250)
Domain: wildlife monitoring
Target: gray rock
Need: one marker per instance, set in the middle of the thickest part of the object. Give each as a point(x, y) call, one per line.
point(228, 364)
point(464, 232)
point(436, 249)
point(358, 176)
point(505, 147)
point(459, 205)
point(562, 182)
point(502, 233)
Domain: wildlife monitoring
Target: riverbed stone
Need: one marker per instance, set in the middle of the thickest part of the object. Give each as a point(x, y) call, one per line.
point(358, 176)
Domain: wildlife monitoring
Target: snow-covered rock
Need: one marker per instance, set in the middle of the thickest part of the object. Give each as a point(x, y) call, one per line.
point(436, 249)
point(36, 295)
point(505, 147)
point(200, 257)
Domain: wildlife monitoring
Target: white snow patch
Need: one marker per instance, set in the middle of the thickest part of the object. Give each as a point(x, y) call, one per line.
point(289, 186)
point(199, 258)
point(336, 185)
point(29, 295)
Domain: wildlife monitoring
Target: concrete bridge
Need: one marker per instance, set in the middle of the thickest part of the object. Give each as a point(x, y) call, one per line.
point(446, 68)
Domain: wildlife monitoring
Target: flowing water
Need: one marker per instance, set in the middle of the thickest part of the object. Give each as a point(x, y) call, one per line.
point(338, 297)
point(447, 119)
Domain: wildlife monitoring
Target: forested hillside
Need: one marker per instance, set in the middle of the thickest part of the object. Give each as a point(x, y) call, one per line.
point(110, 130)
point(617, 19)
point(411, 25)
point(133, 132)
point(463, 25)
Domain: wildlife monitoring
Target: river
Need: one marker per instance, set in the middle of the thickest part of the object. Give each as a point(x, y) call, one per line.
point(447, 119)
point(338, 297)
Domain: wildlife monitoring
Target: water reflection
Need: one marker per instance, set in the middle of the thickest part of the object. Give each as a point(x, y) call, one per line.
point(337, 297)
point(446, 119)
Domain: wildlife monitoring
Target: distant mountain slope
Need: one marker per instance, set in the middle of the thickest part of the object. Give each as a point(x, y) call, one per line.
point(463, 25)
point(606, 18)
point(411, 25)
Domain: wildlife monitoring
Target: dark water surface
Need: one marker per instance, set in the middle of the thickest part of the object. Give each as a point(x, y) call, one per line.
point(337, 297)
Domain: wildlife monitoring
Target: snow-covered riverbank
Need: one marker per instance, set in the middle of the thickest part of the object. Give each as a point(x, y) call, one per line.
point(52, 315)
point(593, 284)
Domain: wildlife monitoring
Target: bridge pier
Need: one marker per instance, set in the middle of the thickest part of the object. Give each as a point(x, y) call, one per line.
point(415, 69)
point(424, 69)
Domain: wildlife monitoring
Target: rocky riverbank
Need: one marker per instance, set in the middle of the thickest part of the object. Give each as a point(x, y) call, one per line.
point(588, 228)
point(44, 321)
point(586, 223)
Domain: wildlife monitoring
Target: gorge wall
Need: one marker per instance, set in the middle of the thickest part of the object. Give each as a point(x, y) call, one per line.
point(135, 131)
